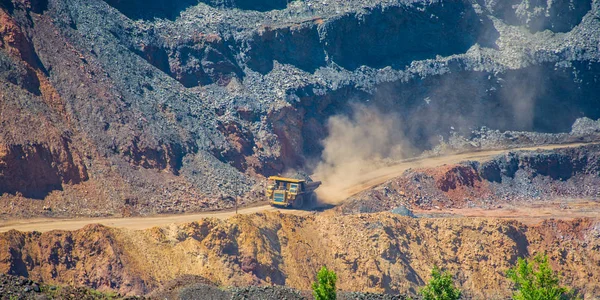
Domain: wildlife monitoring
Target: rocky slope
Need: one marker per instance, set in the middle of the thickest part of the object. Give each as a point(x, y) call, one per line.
point(513, 178)
point(129, 107)
point(370, 252)
point(20, 288)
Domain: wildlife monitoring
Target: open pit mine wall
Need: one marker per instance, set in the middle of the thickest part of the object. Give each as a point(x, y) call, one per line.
point(370, 253)
point(136, 103)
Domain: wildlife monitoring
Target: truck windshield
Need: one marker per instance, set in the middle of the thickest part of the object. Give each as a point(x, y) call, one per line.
point(282, 185)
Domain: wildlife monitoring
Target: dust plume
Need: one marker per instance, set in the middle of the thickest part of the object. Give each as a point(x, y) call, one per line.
point(357, 144)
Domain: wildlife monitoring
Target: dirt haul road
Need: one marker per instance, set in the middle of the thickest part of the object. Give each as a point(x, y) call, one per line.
point(334, 192)
point(339, 192)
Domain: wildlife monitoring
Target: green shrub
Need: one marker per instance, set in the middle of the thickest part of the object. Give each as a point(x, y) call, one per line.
point(440, 287)
point(324, 287)
point(535, 280)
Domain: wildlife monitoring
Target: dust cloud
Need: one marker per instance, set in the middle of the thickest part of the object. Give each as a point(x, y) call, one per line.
point(357, 144)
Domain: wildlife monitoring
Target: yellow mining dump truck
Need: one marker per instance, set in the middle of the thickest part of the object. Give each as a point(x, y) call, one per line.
point(290, 192)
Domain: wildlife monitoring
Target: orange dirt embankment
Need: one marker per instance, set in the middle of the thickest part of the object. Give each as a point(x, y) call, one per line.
point(379, 252)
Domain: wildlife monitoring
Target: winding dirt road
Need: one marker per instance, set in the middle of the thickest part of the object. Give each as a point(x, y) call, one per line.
point(336, 193)
point(362, 183)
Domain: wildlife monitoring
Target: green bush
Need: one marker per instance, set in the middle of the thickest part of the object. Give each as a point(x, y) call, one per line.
point(535, 280)
point(440, 287)
point(324, 287)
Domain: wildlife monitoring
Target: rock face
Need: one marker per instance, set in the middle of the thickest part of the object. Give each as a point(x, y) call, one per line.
point(376, 253)
point(88, 257)
point(34, 170)
point(160, 103)
point(557, 16)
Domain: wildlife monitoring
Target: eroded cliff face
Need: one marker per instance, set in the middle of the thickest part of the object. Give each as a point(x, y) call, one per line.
point(201, 99)
point(34, 170)
point(374, 252)
point(90, 257)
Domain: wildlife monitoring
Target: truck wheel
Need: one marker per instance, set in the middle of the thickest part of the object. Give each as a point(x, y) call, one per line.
point(312, 203)
point(298, 203)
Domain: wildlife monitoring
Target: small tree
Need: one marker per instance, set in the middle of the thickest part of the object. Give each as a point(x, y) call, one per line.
point(324, 287)
point(440, 287)
point(535, 280)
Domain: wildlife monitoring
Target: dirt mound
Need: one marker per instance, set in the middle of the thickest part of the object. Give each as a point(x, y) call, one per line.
point(379, 253)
